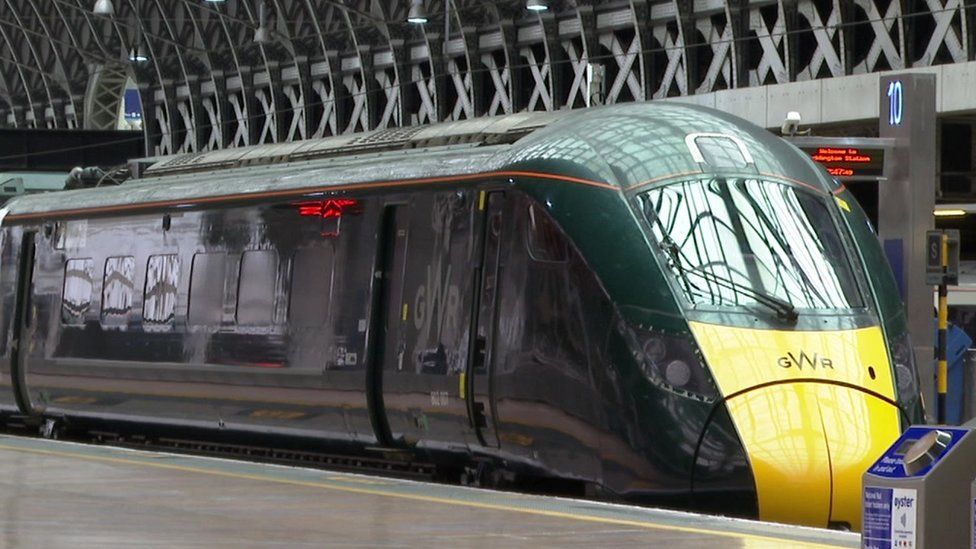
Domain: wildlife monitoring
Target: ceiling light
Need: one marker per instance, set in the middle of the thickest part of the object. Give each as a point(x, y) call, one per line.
point(949, 213)
point(536, 5)
point(138, 54)
point(104, 7)
point(262, 35)
point(418, 13)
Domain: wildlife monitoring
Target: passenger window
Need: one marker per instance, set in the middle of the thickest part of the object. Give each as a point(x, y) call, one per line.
point(255, 291)
point(311, 287)
point(117, 288)
point(546, 243)
point(76, 295)
point(162, 279)
point(206, 306)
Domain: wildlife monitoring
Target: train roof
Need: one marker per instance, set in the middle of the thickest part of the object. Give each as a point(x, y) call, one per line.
point(621, 147)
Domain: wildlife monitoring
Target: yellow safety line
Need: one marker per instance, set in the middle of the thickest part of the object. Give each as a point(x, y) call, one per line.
point(942, 374)
point(417, 497)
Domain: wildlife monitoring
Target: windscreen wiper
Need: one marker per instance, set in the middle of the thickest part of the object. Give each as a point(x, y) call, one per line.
point(761, 215)
point(783, 309)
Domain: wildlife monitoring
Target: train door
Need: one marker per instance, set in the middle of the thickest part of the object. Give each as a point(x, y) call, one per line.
point(480, 387)
point(22, 326)
point(386, 317)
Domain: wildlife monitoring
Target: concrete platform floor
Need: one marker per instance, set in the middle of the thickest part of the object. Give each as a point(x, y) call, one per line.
point(56, 494)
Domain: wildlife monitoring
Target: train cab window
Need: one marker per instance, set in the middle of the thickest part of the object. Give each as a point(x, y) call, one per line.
point(545, 241)
point(206, 306)
point(256, 289)
point(76, 295)
point(117, 289)
point(162, 280)
point(311, 287)
point(740, 241)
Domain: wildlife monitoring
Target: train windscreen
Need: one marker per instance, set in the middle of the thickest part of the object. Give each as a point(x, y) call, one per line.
point(738, 241)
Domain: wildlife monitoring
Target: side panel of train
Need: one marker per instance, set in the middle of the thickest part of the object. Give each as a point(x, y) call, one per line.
point(11, 245)
point(266, 319)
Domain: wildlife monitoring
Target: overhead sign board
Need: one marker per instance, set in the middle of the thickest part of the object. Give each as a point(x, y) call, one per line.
point(849, 162)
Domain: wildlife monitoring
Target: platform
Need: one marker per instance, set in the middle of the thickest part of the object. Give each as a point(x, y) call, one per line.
point(59, 494)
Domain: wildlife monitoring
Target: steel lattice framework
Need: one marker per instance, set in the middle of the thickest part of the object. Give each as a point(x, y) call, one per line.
point(342, 66)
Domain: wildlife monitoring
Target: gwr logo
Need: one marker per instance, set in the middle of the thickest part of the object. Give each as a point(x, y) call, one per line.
point(804, 360)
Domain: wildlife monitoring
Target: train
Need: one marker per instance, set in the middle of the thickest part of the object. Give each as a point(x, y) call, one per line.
point(652, 302)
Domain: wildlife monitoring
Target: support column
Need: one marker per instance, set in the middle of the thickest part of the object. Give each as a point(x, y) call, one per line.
point(905, 203)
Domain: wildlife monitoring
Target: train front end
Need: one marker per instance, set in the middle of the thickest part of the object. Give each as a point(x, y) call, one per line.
point(760, 354)
point(792, 332)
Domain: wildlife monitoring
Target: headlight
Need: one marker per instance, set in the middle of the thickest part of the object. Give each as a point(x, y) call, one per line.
point(906, 374)
point(655, 349)
point(678, 373)
point(674, 362)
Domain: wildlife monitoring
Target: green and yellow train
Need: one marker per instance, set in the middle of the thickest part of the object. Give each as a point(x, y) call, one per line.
point(658, 302)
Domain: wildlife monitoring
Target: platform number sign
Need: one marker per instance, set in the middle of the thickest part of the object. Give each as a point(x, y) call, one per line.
point(896, 103)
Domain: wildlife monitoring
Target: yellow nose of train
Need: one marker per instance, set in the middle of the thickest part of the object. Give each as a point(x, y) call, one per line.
point(813, 411)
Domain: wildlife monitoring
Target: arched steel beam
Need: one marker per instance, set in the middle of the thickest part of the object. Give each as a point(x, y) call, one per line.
point(358, 68)
point(384, 70)
point(20, 71)
point(294, 26)
point(206, 123)
point(684, 20)
point(496, 46)
point(181, 98)
point(462, 74)
point(151, 75)
point(581, 50)
point(72, 56)
point(74, 43)
point(51, 51)
point(34, 52)
point(223, 61)
point(6, 95)
point(269, 93)
point(543, 73)
point(341, 113)
point(322, 106)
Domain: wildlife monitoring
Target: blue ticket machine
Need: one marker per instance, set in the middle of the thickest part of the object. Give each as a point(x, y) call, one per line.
point(917, 495)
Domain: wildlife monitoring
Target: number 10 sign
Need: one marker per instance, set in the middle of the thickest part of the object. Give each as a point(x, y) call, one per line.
point(896, 102)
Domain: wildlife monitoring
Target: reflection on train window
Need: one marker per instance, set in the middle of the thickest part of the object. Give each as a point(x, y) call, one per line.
point(546, 242)
point(58, 238)
point(721, 151)
point(311, 287)
point(744, 241)
point(70, 234)
point(206, 304)
point(117, 289)
point(77, 293)
point(162, 278)
point(255, 292)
